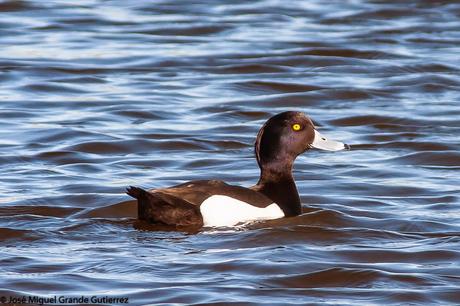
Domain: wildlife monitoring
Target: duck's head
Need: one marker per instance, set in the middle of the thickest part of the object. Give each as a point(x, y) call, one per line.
point(286, 135)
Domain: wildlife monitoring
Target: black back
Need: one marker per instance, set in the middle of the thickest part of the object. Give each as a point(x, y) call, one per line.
point(195, 192)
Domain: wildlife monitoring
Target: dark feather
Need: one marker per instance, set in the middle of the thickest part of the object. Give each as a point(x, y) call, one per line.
point(165, 209)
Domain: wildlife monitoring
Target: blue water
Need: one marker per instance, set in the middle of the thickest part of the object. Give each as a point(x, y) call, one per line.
point(99, 95)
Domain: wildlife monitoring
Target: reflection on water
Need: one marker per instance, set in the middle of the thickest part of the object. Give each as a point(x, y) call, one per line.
point(100, 95)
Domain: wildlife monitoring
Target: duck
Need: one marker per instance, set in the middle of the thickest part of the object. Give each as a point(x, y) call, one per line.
point(214, 203)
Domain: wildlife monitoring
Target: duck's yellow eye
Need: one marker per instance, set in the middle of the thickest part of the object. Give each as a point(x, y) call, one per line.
point(296, 127)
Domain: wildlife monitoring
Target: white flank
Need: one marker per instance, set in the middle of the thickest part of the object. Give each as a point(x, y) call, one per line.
point(220, 210)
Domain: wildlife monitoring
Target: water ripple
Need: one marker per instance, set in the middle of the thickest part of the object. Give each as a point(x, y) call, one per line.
point(102, 95)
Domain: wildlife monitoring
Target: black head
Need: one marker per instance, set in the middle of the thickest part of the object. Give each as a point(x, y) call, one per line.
point(286, 135)
point(282, 138)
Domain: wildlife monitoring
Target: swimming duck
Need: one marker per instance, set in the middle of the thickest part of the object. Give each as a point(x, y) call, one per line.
point(213, 203)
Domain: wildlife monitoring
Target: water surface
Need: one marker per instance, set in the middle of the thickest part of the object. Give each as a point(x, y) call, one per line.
point(100, 95)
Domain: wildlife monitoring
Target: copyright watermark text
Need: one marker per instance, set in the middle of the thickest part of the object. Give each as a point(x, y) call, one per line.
point(62, 299)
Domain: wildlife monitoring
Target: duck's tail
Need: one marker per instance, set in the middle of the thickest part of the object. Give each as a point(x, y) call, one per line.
point(144, 201)
point(157, 207)
point(135, 192)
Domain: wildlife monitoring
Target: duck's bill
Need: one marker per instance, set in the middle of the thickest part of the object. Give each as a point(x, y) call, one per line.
point(321, 142)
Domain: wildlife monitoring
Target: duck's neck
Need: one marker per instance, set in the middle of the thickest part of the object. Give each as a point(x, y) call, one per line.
point(278, 184)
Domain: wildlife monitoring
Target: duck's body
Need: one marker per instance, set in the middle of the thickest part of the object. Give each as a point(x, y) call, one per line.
point(215, 203)
point(204, 203)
